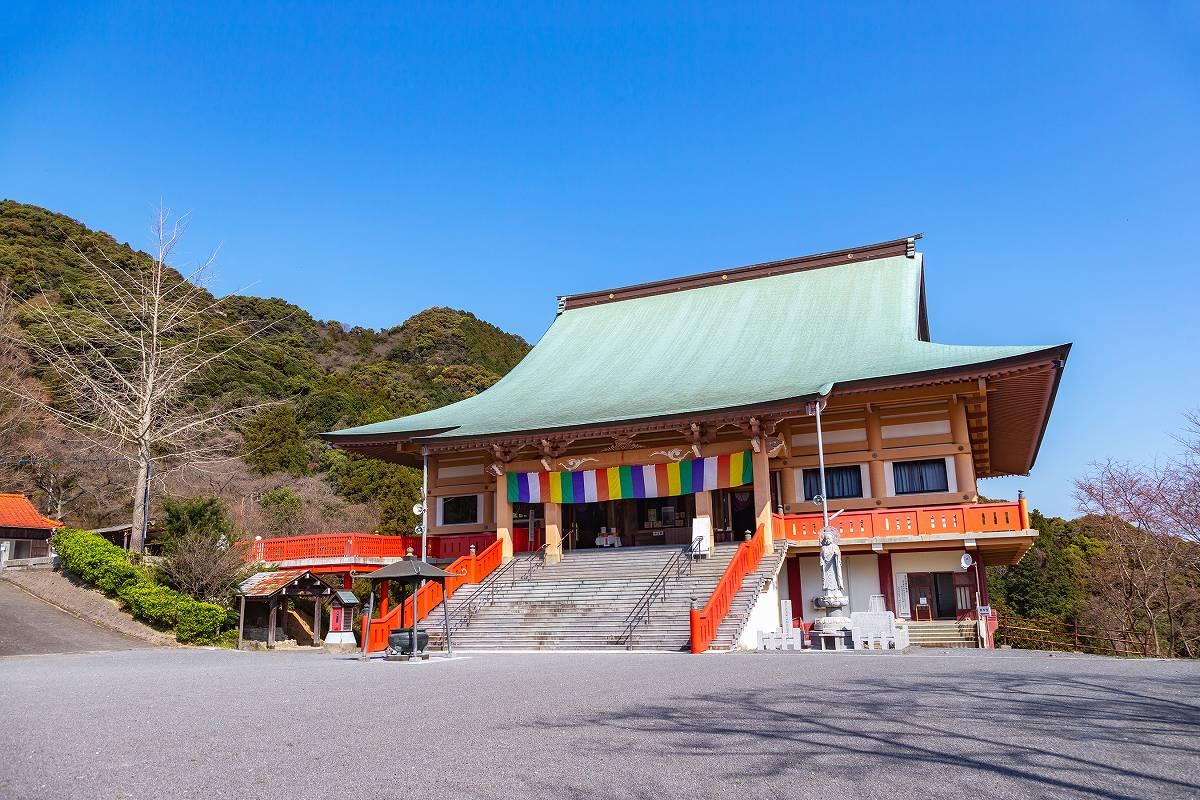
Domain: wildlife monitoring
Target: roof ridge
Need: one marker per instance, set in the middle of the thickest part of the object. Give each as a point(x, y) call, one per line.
point(866, 252)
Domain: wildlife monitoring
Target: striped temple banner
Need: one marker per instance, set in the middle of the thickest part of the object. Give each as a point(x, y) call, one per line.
point(626, 482)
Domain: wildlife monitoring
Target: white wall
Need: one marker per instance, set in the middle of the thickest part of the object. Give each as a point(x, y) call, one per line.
point(764, 614)
point(810, 587)
point(862, 580)
point(932, 561)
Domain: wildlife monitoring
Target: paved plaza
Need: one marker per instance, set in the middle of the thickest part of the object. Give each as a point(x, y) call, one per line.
point(180, 723)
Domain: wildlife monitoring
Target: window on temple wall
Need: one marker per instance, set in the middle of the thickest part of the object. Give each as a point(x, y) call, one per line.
point(840, 482)
point(916, 477)
point(460, 510)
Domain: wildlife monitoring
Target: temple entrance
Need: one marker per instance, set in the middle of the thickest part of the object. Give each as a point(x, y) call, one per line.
point(629, 523)
point(734, 510)
point(529, 527)
point(933, 595)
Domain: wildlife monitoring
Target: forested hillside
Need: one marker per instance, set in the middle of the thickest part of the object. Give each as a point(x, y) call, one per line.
point(325, 375)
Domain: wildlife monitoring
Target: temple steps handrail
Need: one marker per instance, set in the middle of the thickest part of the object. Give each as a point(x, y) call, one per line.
point(641, 610)
point(705, 622)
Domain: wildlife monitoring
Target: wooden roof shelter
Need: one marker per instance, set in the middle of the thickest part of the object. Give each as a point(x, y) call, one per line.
point(272, 587)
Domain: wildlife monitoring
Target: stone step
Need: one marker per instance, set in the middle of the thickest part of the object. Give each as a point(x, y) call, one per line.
point(584, 601)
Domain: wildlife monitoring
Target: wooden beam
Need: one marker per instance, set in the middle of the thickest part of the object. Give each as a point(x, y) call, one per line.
point(554, 549)
point(504, 520)
point(241, 621)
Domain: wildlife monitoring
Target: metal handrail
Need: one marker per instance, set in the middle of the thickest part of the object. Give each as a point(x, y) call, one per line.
point(680, 562)
point(485, 594)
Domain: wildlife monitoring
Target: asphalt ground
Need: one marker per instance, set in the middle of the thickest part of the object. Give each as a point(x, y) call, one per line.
point(188, 723)
point(30, 625)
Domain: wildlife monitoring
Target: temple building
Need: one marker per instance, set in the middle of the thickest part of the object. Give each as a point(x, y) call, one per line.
point(24, 533)
point(650, 412)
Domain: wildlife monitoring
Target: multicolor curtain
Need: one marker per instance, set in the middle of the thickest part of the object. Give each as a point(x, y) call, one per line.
point(625, 482)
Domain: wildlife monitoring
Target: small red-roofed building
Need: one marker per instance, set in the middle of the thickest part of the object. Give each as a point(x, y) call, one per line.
point(24, 533)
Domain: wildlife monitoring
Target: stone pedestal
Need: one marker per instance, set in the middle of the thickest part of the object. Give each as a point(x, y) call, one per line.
point(342, 642)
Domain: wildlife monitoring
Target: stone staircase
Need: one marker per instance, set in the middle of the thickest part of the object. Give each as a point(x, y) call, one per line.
point(582, 603)
point(942, 633)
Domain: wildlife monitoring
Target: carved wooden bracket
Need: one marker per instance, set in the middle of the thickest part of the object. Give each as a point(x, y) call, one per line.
point(501, 455)
point(551, 449)
point(759, 429)
point(699, 433)
point(622, 441)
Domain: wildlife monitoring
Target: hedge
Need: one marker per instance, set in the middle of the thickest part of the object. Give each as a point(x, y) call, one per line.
point(106, 566)
point(95, 560)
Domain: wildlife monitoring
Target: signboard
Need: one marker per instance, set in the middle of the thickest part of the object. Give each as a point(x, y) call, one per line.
point(702, 532)
point(902, 604)
point(985, 611)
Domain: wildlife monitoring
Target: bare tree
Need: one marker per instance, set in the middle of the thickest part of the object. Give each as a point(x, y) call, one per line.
point(204, 566)
point(1149, 519)
point(122, 362)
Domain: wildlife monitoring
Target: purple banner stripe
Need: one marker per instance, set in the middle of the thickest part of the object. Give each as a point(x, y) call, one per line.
point(639, 482)
point(577, 485)
point(523, 487)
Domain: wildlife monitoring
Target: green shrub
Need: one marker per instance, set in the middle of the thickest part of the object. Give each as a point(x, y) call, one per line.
point(94, 559)
point(106, 566)
point(158, 605)
point(199, 622)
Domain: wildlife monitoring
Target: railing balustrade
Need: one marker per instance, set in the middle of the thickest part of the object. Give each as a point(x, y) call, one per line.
point(706, 621)
point(467, 569)
point(897, 522)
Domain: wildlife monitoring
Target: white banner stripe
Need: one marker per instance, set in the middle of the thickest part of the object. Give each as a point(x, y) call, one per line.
point(589, 486)
point(650, 479)
point(710, 473)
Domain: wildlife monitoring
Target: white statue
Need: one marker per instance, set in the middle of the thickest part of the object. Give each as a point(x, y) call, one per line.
point(831, 563)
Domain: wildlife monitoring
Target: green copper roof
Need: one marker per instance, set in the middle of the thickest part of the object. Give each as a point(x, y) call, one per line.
point(705, 349)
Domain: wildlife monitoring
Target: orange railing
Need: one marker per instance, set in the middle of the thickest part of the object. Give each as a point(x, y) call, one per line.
point(706, 621)
point(329, 545)
point(893, 522)
point(467, 569)
point(350, 546)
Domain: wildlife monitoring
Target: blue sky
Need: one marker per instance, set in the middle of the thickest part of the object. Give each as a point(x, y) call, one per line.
point(368, 162)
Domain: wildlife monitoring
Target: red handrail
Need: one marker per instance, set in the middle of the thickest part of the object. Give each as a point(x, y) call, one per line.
point(706, 621)
point(468, 569)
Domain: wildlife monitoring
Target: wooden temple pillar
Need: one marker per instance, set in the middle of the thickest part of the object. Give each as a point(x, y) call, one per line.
point(383, 598)
point(554, 549)
point(762, 495)
point(964, 464)
point(504, 520)
point(271, 623)
point(316, 620)
point(875, 445)
point(704, 510)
